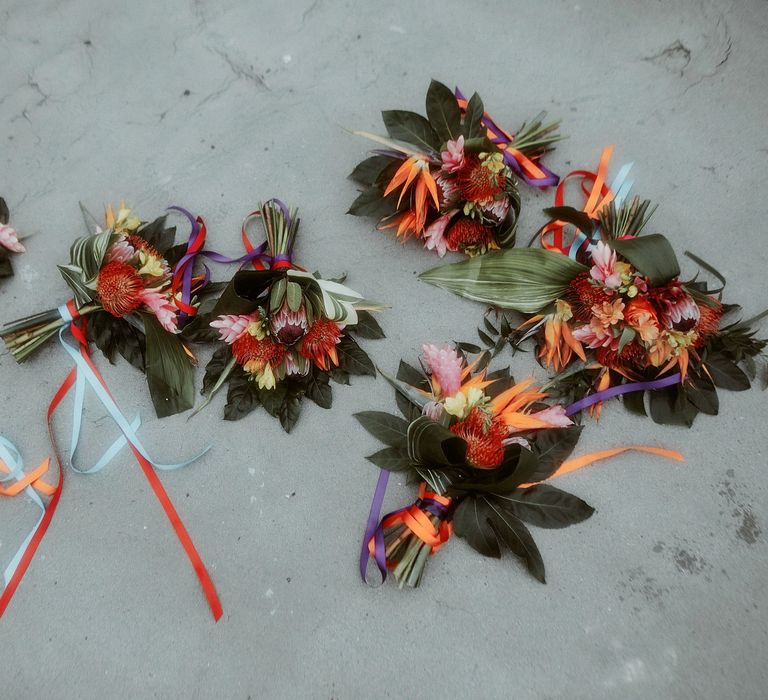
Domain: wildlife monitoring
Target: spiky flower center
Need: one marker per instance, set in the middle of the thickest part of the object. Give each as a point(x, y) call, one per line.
point(479, 181)
point(583, 295)
point(468, 233)
point(484, 436)
point(248, 348)
point(119, 288)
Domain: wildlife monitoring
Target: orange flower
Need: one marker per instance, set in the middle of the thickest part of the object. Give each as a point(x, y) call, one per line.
point(415, 169)
point(119, 288)
point(641, 316)
point(319, 343)
point(558, 344)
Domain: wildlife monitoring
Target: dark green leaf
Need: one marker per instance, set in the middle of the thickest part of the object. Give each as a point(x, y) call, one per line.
point(391, 430)
point(669, 406)
point(571, 216)
point(392, 459)
point(516, 536)
point(157, 235)
point(367, 326)
point(273, 399)
point(114, 335)
point(242, 395)
point(472, 125)
point(6, 269)
point(433, 445)
point(318, 389)
point(545, 506)
point(215, 367)
point(369, 172)
point(410, 375)
point(472, 522)
point(372, 202)
point(411, 128)
point(170, 374)
point(725, 373)
point(353, 359)
point(553, 447)
point(339, 376)
point(634, 402)
point(290, 411)
point(5, 215)
point(652, 255)
point(443, 111)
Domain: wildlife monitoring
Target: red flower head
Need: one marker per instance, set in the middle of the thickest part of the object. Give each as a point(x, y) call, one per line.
point(288, 326)
point(468, 233)
point(478, 183)
point(248, 348)
point(631, 356)
point(319, 344)
point(485, 436)
point(675, 307)
point(709, 322)
point(119, 288)
point(582, 296)
point(140, 244)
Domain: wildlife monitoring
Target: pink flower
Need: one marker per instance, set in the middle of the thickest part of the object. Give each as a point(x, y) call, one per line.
point(498, 208)
point(604, 266)
point(231, 326)
point(160, 305)
point(434, 235)
point(555, 416)
point(10, 239)
point(292, 366)
point(676, 309)
point(445, 364)
point(120, 251)
point(432, 410)
point(595, 335)
point(453, 158)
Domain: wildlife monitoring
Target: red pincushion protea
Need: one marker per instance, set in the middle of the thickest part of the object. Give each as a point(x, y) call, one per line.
point(485, 438)
point(468, 233)
point(709, 322)
point(478, 183)
point(119, 288)
point(140, 244)
point(319, 343)
point(582, 296)
point(248, 348)
point(632, 355)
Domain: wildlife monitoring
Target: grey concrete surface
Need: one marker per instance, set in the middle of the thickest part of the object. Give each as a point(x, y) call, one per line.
point(217, 105)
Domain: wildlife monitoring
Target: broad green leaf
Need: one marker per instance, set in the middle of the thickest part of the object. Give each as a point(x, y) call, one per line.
point(652, 255)
point(433, 445)
point(367, 326)
point(571, 216)
point(523, 279)
point(391, 430)
point(725, 373)
point(73, 276)
point(545, 506)
point(318, 389)
point(411, 128)
point(242, 396)
point(553, 447)
point(170, 374)
point(87, 253)
point(293, 294)
point(277, 293)
point(443, 111)
point(353, 359)
point(472, 125)
point(471, 521)
point(392, 459)
point(511, 530)
point(627, 336)
point(369, 172)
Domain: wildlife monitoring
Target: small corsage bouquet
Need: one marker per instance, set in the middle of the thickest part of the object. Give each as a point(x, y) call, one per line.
point(478, 444)
point(9, 241)
point(285, 333)
point(610, 312)
point(136, 290)
point(450, 179)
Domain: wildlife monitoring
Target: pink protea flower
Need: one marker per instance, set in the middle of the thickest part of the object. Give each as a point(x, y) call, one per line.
point(675, 307)
point(447, 190)
point(604, 266)
point(231, 326)
point(453, 157)
point(120, 251)
point(498, 208)
point(288, 326)
point(434, 235)
point(160, 305)
point(446, 365)
point(9, 239)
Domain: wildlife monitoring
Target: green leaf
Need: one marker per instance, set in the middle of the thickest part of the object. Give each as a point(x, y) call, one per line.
point(290, 411)
point(725, 373)
point(652, 255)
point(571, 216)
point(318, 389)
point(6, 269)
point(523, 279)
point(353, 359)
point(471, 521)
point(411, 128)
point(516, 536)
point(242, 395)
point(157, 235)
point(372, 202)
point(115, 335)
point(73, 276)
point(87, 253)
point(627, 336)
point(273, 399)
point(367, 326)
point(472, 125)
point(553, 447)
point(294, 296)
point(669, 406)
point(443, 111)
point(433, 445)
point(216, 365)
point(277, 293)
point(392, 459)
point(170, 374)
point(634, 402)
point(370, 171)
point(5, 215)
point(545, 506)
point(391, 430)
point(410, 375)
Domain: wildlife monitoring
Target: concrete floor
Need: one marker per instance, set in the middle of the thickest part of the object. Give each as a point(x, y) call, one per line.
point(217, 105)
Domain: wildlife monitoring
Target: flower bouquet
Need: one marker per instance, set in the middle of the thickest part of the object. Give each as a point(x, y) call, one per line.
point(9, 241)
point(285, 333)
point(449, 179)
point(136, 290)
point(478, 444)
point(610, 312)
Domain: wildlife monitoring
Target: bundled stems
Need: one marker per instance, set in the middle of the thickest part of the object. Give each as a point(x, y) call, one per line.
point(25, 336)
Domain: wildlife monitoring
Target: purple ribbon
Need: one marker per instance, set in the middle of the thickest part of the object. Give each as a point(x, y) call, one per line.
point(592, 399)
point(373, 529)
point(501, 138)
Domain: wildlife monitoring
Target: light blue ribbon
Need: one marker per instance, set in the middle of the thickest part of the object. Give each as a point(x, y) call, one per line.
point(12, 458)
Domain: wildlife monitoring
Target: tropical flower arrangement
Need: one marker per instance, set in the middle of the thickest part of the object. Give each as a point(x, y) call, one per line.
point(9, 241)
point(285, 333)
point(479, 445)
point(136, 290)
point(450, 179)
point(608, 308)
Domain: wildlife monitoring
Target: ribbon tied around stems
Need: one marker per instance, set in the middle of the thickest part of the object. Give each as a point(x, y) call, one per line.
point(597, 195)
point(527, 169)
point(85, 373)
point(373, 539)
